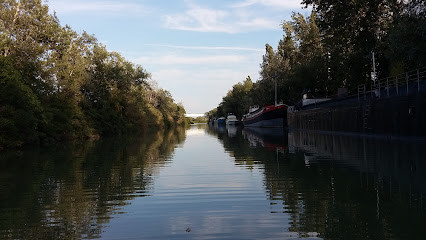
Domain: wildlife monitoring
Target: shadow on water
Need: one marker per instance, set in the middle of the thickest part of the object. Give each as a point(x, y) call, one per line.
point(70, 192)
point(338, 187)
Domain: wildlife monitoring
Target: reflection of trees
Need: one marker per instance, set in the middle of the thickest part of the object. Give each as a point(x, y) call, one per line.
point(236, 146)
point(376, 185)
point(72, 192)
point(332, 189)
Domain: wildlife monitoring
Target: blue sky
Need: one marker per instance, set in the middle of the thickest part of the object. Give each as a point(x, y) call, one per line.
point(196, 49)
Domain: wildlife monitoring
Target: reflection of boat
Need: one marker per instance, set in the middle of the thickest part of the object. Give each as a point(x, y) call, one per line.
point(266, 138)
point(267, 116)
point(231, 119)
point(217, 128)
point(232, 130)
point(220, 128)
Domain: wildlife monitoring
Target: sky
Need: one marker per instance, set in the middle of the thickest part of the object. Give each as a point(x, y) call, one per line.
point(195, 49)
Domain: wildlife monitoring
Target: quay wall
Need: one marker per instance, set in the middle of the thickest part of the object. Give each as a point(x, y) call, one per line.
point(395, 115)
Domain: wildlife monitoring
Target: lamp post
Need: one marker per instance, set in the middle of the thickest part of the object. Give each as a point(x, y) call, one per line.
point(373, 73)
point(275, 80)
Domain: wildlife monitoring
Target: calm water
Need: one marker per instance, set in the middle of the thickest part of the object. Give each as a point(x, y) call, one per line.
point(216, 183)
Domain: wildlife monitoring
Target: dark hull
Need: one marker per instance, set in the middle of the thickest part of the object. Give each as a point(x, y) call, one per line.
point(272, 118)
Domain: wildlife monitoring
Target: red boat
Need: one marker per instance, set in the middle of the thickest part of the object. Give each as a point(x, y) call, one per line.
point(267, 116)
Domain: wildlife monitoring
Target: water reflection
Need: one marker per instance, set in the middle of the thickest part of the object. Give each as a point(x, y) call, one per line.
point(72, 191)
point(219, 183)
point(232, 130)
point(339, 187)
point(268, 138)
point(397, 161)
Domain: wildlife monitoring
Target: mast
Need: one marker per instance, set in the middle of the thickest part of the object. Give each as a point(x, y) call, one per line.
point(275, 92)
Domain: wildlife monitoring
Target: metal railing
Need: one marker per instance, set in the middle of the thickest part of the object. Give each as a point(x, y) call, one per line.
point(403, 84)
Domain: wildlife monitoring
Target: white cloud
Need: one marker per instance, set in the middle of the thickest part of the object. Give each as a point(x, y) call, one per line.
point(62, 6)
point(260, 23)
point(285, 4)
point(199, 19)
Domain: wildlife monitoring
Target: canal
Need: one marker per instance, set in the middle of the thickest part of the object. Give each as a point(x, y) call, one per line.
point(216, 183)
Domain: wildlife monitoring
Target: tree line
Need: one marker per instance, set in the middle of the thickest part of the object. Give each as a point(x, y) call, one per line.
point(57, 84)
point(332, 48)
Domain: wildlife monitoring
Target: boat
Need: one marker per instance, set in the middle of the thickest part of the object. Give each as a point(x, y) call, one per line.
point(273, 116)
point(267, 116)
point(221, 120)
point(231, 119)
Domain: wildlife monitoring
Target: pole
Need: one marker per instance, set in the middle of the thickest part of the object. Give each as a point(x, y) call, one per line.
point(276, 92)
point(406, 79)
point(397, 85)
point(374, 63)
point(418, 81)
point(387, 85)
point(358, 94)
point(374, 76)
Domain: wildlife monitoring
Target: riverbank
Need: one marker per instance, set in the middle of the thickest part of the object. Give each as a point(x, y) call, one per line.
point(396, 112)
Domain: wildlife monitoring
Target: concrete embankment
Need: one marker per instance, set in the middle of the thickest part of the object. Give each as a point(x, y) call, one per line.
point(394, 115)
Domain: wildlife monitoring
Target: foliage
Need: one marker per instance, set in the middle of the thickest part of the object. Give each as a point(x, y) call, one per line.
point(236, 101)
point(352, 30)
point(296, 66)
point(211, 114)
point(65, 85)
point(332, 48)
point(20, 110)
point(192, 120)
point(406, 44)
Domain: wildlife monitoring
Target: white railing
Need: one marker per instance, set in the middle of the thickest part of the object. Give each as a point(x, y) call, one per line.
point(398, 85)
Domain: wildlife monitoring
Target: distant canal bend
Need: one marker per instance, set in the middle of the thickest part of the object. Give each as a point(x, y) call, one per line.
point(210, 182)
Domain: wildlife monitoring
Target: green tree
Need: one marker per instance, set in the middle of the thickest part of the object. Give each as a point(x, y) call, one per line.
point(351, 31)
point(297, 65)
point(71, 85)
point(238, 99)
point(405, 44)
point(273, 69)
point(20, 110)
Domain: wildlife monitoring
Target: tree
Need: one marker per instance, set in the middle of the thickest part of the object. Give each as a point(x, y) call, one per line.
point(352, 30)
point(405, 44)
point(238, 99)
point(20, 110)
point(298, 63)
point(66, 85)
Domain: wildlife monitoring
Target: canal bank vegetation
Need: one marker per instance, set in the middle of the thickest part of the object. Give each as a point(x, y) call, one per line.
point(57, 84)
point(333, 48)
point(193, 120)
